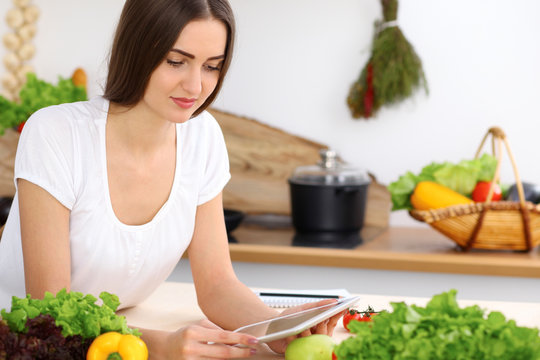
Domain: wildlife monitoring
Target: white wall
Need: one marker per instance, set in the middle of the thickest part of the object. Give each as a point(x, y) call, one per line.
point(296, 59)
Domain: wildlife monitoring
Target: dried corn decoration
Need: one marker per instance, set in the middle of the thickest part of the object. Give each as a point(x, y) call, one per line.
point(21, 20)
point(393, 71)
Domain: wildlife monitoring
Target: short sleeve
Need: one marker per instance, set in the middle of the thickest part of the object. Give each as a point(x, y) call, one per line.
point(45, 154)
point(216, 172)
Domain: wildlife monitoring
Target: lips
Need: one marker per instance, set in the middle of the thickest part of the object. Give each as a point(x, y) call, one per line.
point(184, 103)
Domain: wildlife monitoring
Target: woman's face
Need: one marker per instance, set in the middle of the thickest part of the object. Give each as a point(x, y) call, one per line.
point(189, 73)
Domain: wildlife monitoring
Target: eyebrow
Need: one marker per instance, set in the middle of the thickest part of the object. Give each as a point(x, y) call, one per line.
point(191, 56)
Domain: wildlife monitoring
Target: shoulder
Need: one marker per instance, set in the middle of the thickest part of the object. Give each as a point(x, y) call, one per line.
point(67, 115)
point(202, 137)
point(204, 123)
point(66, 123)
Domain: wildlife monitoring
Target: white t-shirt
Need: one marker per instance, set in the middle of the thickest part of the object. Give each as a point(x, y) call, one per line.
point(62, 149)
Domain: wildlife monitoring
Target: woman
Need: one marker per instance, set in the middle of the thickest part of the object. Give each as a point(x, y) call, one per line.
point(112, 191)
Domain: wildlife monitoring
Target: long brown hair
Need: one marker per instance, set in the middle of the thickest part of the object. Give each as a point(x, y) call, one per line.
point(146, 31)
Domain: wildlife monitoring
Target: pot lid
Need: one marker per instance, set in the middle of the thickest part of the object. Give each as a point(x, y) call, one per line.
point(330, 170)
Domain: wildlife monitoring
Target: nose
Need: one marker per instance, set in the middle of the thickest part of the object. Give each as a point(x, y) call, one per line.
point(192, 84)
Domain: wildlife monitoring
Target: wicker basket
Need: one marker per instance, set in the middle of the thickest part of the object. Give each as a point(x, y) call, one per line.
point(501, 225)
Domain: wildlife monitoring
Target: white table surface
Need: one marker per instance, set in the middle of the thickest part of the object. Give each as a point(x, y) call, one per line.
point(174, 305)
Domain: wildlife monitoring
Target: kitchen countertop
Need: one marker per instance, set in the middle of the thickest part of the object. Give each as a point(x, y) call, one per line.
point(395, 248)
point(174, 305)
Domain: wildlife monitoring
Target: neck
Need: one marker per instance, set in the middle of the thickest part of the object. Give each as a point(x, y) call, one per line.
point(138, 130)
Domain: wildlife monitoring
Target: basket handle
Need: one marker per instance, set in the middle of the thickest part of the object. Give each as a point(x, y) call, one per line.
point(498, 137)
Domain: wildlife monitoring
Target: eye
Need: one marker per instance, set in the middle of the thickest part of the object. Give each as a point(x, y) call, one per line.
point(211, 68)
point(175, 63)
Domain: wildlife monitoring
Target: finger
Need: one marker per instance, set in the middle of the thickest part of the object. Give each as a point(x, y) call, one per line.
point(333, 321)
point(219, 351)
point(289, 339)
point(279, 346)
point(212, 335)
point(321, 328)
point(232, 338)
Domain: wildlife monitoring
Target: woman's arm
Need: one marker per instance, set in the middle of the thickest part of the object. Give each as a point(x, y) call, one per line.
point(45, 240)
point(221, 296)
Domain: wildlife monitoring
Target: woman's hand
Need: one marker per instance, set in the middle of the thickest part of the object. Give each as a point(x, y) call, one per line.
point(208, 341)
point(325, 327)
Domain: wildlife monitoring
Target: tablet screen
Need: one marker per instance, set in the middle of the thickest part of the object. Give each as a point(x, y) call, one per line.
point(293, 324)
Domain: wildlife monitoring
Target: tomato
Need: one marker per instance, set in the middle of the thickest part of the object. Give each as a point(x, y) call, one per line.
point(351, 314)
point(481, 190)
point(334, 356)
point(20, 127)
point(368, 316)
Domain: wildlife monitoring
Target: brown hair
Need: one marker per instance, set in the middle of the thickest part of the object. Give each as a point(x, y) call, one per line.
point(146, 31)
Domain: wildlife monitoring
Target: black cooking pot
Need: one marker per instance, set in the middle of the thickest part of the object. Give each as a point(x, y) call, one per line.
point(328, 197)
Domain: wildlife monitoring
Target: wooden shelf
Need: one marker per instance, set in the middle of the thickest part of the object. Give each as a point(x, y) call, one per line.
point(402, 249)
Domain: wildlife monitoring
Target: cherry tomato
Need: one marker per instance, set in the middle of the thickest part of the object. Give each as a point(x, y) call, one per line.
point(351, 314)
point(367, 317)
point(481, 190)
point(20, 127)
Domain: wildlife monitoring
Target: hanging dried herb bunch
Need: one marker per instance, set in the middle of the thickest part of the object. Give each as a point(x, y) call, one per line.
point(392, 73)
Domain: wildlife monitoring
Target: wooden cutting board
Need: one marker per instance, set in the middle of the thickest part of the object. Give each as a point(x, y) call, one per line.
point(8, 148)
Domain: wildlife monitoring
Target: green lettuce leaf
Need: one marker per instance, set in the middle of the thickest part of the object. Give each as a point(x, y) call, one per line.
point(75, 313)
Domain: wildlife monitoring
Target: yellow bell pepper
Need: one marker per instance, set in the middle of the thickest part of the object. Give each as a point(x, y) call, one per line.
point(128, 346)
point(430, 195)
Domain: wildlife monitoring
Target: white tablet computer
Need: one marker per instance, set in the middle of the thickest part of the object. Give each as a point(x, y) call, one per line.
point(293, 324)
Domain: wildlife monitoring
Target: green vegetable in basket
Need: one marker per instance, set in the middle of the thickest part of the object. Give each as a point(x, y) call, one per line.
point(461, 177)
point(440, 331)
